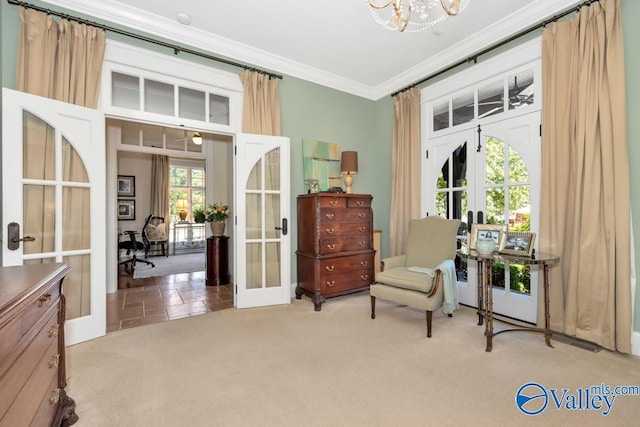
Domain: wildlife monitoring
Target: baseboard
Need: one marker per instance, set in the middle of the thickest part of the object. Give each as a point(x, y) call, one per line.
point(635, 343)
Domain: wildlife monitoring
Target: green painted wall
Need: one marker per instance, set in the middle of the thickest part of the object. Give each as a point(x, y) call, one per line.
point(315, 112)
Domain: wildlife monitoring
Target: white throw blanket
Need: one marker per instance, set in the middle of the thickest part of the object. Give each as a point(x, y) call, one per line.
point(450, 286)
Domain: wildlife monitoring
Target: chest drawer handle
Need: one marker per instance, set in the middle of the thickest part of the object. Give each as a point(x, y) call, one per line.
point(364, 263)
point(331, 283)
point(359, 202)
point(364, 277)
point(55, 396)
point(330, 216)
point(53, 330)
point(333, 202)
point(329, 267)
point(44, 300)
point(362, 215)
point(362, 229)
point(332, 246)
point(55, 361)
point(330, 230)
point(362, 244)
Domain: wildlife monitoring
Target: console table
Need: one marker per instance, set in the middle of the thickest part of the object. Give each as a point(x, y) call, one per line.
point(188, 237)
point(485, 290)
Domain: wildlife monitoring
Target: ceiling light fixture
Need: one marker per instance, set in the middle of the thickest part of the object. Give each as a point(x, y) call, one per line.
point(197, 138)
point(183, 18)
point(414, 15)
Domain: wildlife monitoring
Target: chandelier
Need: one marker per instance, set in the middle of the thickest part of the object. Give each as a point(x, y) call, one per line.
point(414, 15)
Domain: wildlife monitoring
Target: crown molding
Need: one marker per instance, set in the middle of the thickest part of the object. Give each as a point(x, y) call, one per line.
point(127, 16)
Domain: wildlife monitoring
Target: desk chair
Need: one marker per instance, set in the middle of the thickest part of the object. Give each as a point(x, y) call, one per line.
point(132, 246)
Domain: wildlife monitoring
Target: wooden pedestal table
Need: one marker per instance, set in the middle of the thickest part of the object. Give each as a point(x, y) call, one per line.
point(485, 290)
point(217, 260)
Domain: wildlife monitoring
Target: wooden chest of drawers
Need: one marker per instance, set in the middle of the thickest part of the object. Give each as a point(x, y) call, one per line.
point(32, 357)
point(335, 253)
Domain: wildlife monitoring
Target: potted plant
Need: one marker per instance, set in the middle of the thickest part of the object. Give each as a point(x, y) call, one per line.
point(216, 214)
point(198, 215)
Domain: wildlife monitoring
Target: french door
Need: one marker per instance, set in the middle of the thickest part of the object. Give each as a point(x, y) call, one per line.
point(262, 204)
point(491, 172)
point(53, 184)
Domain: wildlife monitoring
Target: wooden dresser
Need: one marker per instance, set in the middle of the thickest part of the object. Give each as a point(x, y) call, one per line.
point(335, 245)
point(32, 352)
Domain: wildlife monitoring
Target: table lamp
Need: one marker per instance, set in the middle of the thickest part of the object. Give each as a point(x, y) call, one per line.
point(349, 167)
point(181, 207)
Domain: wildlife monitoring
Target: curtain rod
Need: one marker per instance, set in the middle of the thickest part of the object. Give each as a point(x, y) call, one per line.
point(474, 58)
point(176, 49)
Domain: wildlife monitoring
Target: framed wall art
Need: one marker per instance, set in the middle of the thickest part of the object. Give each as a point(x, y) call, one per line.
point(517, 243)
point(126, 209)
point(486, 231)
point(126, 186)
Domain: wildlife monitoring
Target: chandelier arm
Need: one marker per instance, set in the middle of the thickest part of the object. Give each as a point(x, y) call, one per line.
point(453, 9)
point(402, 22)
point(380, 6)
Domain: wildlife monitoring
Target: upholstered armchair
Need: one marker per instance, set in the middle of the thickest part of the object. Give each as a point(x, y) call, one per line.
point(425, 276)
point(154, 236)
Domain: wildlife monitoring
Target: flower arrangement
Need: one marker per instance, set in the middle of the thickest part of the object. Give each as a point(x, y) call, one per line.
point(216, 212)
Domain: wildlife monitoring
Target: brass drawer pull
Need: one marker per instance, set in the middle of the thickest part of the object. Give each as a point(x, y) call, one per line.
point(332, 246)
point(364, 263)
point(331, 283)
point(330, 216)
point(362, 244)
point(53, 330)
point(44, 300)
point(330, 230)
point(359, 202)
point(55, 361)
point(362, 215)
point(364, 277)
point(333, 202)
point(55, 396)
point(362, 229)
point(329, 267)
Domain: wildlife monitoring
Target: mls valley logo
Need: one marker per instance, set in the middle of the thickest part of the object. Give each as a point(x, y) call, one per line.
point(533, 398)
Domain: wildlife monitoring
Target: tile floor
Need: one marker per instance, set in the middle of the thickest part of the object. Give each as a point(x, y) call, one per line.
point(157, 299)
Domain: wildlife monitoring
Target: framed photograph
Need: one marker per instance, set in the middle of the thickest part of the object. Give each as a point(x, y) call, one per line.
point(487, 231)
point(126, 209)
point(126, 186)
point(517, 243)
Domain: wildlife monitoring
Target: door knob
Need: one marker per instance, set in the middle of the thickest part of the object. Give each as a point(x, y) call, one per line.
point(14, 239)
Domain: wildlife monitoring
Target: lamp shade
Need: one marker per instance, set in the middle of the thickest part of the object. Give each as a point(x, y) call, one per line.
point(181, 205)
point(349, 162)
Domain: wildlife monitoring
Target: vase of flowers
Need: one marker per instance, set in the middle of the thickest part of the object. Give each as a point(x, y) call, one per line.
point(216, 214)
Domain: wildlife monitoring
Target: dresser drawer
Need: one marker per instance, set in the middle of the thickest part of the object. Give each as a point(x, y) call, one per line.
point(48, 297)
point(334, 245)
point(339, 283)
point(357, 215)
point(359, 202)
point(45, 342)
point(49, 405)
point(345, 229)
point(332, 202)
point(346, 264)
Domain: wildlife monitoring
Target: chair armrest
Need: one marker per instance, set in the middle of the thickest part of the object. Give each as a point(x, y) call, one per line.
point(393, 262)
point(437, 281)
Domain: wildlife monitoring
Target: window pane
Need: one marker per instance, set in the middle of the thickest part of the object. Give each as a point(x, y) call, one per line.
point(152, 136)
point(191, 104)
point(517, 169)
point(130, 133)
point(494, 160)
point(272, 273)
point(39, 211)
point(158, 98)
point(197, 178)
point(491, 99)
point(443, 178)
point(441, 116)
point(495, 203)
point(38, 142)
point(178, 177)
point(254, 265)
point(463, 109)
point(73, 169)
point(521, 90)
point(77, 285)
point(76, 219)
point(272, 170)
point(125, 91)
point(218, 109)
point(460, 166)
point(176, 138)
point(254, 216)
point(442, 203)
point(197, 199)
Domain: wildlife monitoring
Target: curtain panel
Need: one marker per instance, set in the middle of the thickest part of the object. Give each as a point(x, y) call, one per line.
point(405, 185)
point(585, 209)
point(261, 107)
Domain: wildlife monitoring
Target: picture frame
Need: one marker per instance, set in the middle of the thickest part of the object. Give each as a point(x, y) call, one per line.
point(126, 209)
point(517, 243)
point(126, 186)
point(482, 231)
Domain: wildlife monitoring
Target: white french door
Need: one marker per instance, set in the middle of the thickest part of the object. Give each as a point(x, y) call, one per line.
point(262, 203)
point(492, 170)
point(53, 183)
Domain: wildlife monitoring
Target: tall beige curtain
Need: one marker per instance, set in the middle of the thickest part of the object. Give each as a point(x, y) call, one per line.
point(585, 211)
point(405, 185)
point(59, 60)
point(261, 109)
point(62, 61)
point(160, 186)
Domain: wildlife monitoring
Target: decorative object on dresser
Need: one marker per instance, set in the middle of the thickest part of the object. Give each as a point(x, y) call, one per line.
point(32, 352)
point(349, 167)
point(335, 245)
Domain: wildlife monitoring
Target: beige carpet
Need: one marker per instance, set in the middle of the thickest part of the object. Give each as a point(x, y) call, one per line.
point(291, 366)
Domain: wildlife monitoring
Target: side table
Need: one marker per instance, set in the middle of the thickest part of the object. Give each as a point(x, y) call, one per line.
point(217, 261)
point(485, 290)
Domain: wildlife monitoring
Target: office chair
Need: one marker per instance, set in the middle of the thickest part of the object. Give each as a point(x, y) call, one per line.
point(132, 245)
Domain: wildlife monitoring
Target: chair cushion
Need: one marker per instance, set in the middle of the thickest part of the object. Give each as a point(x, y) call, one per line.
point(401, 277)
point(441, 243)
point(155, 234)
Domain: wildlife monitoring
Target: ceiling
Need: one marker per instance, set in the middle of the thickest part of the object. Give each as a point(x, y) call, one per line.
point(334, 43)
